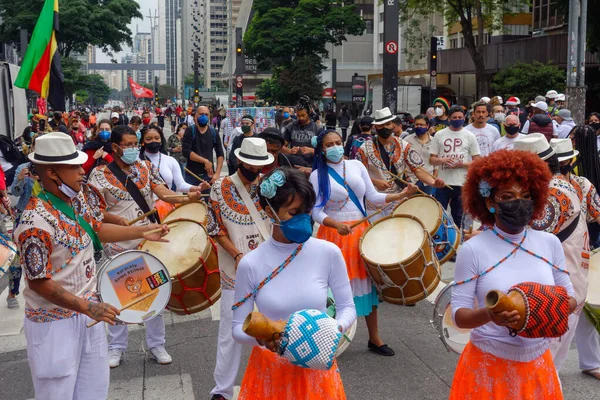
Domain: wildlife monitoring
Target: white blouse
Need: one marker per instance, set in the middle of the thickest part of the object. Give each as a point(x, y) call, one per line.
point(340, 207)
point(485, 250)
point(169, 170)
point(301, 285)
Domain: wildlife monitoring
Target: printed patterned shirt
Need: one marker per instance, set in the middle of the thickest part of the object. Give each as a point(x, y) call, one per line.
point(54, 246)
point(118, 201)
point(588, 196)
point(229, 216)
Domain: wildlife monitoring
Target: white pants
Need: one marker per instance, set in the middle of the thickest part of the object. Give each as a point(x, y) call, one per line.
point(155, 334)
point(229, 352)
point(560, 346)
point(588, 344)
point(67, 359)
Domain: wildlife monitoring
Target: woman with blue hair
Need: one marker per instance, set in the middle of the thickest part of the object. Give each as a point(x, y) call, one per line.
point(341, 187)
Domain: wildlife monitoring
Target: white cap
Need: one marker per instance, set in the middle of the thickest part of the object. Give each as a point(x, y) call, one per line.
point(560, 97)
point(551, 94)
point(114, 115)
point(485, 99)
point(541, 105)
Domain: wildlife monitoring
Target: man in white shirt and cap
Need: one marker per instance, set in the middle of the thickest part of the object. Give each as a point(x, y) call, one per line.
point(565, 123)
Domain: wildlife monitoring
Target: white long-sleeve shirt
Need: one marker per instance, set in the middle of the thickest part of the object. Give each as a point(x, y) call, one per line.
point(485, 250)
point(357, 177)
point(301, 285)
point(169, 170)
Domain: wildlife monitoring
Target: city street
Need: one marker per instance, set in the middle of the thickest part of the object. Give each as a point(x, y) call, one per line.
point(421, 370)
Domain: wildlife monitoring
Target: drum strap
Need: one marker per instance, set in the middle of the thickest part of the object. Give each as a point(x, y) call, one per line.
point(565, 233)
point(133, 190)
point(254, 214)
point(351, 193)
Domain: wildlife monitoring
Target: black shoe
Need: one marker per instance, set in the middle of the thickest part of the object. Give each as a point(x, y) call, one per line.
point(383, 350)
point(218, 397)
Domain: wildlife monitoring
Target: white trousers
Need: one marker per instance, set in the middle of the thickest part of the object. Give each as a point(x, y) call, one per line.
point(155, 334)
point(588, 344)
point(67, 359)
point(229, 352)
point(560, 346)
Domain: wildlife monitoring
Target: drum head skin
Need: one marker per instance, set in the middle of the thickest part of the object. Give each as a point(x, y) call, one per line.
point(392, 240)
point(423, 207)
point(196, 211)
point(130, 275)
point(593, 295)
point(454, 338)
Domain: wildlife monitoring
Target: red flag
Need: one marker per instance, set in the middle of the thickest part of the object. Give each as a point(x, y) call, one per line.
point(139, 91)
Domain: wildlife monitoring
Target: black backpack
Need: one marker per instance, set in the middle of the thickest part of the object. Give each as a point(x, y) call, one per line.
point(10, 151)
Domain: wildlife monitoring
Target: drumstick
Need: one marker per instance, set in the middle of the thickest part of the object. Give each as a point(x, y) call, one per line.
point(133, 303)
point(406, 183)
point(141, 217)
point(360, 221)
point(433, 177)
point(194, 175)
point(174, 196)
point(171, 223)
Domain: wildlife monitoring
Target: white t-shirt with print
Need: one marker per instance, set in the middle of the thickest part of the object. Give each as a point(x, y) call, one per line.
point(459, 145)
point(485, 136)
point(505, 143)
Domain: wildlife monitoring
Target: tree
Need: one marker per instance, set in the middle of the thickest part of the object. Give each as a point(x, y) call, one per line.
point(85, 87)
point(474, 16)
point(101, 23)
point(166, 92)
point(290, 34)
point(189, 80)
point(529, 80)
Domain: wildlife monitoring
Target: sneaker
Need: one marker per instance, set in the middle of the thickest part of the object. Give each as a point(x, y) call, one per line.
point(12, 303)
point(160, 355)
point(114, 358)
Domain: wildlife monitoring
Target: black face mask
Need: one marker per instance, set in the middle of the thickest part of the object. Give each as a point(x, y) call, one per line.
point(515, 214)
point(385, 133)
point(247, 173)
point(566, 169)
point(152, 147)
point(511, 129)
point(595, 125)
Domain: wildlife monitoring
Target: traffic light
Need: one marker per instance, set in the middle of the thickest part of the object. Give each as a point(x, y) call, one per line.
point(433, 55)
point(196, 91)
point(239, 50)
point(334, 97)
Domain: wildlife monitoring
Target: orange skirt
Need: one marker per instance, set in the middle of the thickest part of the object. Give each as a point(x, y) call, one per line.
point(349, 246)
point(480, 375)
point(163, 208)
point(270, 376)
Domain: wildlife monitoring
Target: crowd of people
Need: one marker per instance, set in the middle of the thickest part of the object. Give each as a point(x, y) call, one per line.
point(528, 175)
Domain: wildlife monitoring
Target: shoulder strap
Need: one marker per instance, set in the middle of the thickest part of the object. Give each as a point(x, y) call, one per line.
point(66, 209)
point(254, 214)
point(351, 193)
point(133, 190)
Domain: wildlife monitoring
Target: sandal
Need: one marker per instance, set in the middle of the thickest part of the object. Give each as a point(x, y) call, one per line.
point(594, 373)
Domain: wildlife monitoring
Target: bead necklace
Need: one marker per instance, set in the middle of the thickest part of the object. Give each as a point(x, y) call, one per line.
point(342, 202)
point(270, 277)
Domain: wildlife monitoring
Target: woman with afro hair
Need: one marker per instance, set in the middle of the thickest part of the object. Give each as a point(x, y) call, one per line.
point(506, 191)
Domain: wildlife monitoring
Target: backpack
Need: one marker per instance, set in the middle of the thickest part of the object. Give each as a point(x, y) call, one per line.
point(10, 151)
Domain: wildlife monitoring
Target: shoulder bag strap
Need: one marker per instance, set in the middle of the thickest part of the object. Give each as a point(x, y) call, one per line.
point(133, 190)
point(351, 193)
point(254, 214)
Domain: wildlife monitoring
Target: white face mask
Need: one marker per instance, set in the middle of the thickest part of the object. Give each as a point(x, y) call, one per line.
point(439, 111)
point(67, 191)
point(499, 117)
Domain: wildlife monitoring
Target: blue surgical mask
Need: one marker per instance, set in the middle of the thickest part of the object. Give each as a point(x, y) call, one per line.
point(419, 130)
point(297, 229)
point(286, 115)
point(138, 134)
point(202, 120)
point(457, 123)
point(130, 155)
point(335, 153)
point(104, 135)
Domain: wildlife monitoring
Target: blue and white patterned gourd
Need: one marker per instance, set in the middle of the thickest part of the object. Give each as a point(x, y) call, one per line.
point(310, 340)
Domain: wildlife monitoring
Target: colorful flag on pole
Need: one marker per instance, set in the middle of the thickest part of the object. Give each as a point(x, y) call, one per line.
point(139, 91)
point(41, 70)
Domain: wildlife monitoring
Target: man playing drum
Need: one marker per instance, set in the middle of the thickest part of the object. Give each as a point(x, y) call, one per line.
point(57, 235)
point(387, 156)
point(127, 187)
point(238, 224)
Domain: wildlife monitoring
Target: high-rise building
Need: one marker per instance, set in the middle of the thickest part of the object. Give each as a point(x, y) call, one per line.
point(168, 22)
point(142, 54)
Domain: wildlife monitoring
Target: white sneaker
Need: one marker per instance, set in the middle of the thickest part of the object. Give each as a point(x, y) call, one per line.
point(160, 355)
point(114, 358)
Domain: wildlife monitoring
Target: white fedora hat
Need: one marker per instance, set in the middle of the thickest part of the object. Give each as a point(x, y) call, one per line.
point(383, 116)
point(56, 148)
point(254, 152)
point(564, 149)
point(535, 143)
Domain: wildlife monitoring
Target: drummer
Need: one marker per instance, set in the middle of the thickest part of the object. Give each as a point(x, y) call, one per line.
point(341, 185)
point(67, 360)
point(126, 205)
point(310, 267)
point(238, 226)
point(387, 155)
point(507, 190)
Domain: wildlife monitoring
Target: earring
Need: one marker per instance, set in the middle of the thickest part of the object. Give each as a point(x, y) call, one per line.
point(492, 210)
